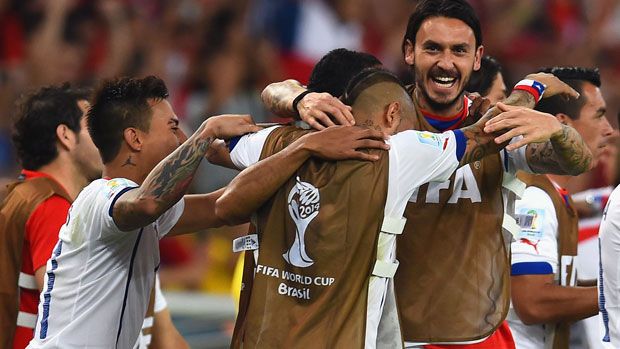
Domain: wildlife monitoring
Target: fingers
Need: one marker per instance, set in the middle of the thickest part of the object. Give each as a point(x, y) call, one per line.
point(502, 122)
point(360, 155)
point(322, 118)
point(253, 128)
point(570, 92)
point(509, 135)
point(341, 113)
point(326, 109)
point(370, 133)
point(314, 124)
point(371, 144)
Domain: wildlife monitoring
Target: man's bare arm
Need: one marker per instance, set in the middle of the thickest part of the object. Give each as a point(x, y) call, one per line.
point(564, 152)
point(278, 97)
point(319, 110)
point(537, 300)
point(256, 184)
point(169, 180)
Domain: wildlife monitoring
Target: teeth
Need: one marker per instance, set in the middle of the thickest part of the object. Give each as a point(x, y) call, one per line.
point(444, 79)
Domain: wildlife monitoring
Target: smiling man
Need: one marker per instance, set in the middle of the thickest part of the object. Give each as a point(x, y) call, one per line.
point(453, 284)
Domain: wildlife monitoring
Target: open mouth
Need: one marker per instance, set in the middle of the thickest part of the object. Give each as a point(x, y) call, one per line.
point(444, 81)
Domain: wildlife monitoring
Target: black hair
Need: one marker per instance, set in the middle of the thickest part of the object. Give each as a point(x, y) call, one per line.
point(482, 79)
point(38, 116)
point(458, 9)
point(118, 104)
point(574, 77)
point(332, 73)
point(365, 79)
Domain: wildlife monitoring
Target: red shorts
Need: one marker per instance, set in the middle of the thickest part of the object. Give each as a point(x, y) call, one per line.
point(500, 339)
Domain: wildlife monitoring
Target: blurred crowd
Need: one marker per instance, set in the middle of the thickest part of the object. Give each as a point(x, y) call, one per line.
point(217, 55)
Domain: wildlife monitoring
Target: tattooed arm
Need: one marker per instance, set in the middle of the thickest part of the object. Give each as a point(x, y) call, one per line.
point(278, 97)
point(314, 108)
point(169, 180)
point(565, 154)
point(551, 147)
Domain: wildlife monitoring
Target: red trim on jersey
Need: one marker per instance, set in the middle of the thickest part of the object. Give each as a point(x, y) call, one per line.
point(458, 115)
point(500, 339)
point(461, 116)
point(40, 237)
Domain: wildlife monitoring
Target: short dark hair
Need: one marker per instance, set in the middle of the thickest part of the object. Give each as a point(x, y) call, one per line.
point(426, 9)
point(38, 116)
point(332, 73)
point(574, 77)
point(365, 79)
point(118, 104)
point(482, 79)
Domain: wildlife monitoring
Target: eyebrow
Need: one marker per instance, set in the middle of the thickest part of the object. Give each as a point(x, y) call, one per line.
point(460, 46)
point(174, 121)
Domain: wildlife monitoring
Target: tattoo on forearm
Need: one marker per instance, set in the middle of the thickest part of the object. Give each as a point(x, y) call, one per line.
point(521, 99)
point(278, 97)
point(566, 154)
point(168, 181)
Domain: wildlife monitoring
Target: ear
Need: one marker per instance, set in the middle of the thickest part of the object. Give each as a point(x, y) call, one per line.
point(564, 119)
point(66, 137)
point(392, 116)
point(409, 57)
point(133, 138)
point(478, 57)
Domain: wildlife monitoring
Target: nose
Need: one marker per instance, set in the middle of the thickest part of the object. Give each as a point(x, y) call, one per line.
point(607, 129)
point(446, 61)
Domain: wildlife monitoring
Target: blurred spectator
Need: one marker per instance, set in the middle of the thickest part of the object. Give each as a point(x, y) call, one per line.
point(217, 55)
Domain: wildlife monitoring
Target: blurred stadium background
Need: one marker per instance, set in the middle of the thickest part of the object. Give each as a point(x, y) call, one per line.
point(217, 55)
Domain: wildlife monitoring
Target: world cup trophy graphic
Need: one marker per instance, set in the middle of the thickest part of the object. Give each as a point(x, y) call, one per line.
point(303, 206)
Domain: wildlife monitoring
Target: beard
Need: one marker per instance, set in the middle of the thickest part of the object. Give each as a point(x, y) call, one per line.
point(435, 105)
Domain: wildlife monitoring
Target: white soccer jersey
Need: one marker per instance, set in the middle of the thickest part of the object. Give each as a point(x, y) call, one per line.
point(415, 158)
point(534, 253)
point(609, 273)
point(99, 279)
point(144, 340)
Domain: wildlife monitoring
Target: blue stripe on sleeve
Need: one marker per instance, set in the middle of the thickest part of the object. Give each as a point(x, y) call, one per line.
point(118, 195)
point(531, 268)
point(461, 144)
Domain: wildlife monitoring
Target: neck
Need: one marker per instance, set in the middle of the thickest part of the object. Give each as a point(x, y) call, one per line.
point(66, 173)
point(125, 166)
point(448, 112)
point(562, 181)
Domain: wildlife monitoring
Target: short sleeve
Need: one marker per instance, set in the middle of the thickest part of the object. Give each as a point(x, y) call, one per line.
point(425, 157)
point(167, 220)
point(515, 160)
point(246, 151)
point(111, 191)
point(535, 251)
point(42, 228)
